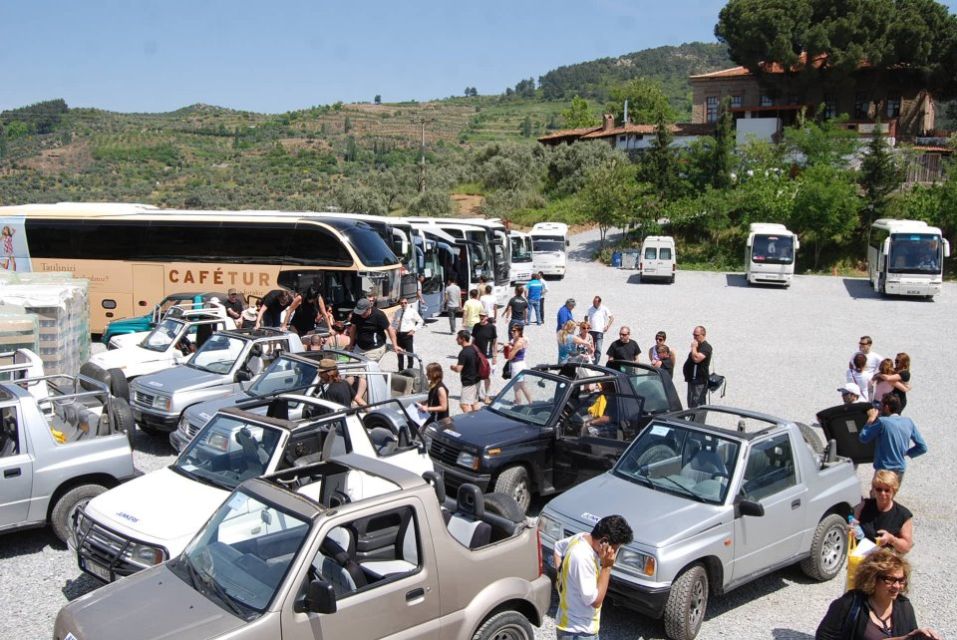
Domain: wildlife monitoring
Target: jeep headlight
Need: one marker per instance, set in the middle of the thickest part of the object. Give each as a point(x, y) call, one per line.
point(183, 424)
point(549, 528)
point(162, 402)
point(468, 460)
point(635, 562)
point(145, 554)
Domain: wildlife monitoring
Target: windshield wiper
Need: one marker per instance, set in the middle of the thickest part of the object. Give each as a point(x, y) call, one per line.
point(220, 592)
point(683, 489)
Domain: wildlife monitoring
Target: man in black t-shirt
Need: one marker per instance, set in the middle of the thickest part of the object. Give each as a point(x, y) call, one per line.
point(367, 333)
point(235, 306)
point(485, 337)
point(516, 311)
point(467, 367)
point(697, 368)
point(334, 388)
point(273, 304)
point(624, 348)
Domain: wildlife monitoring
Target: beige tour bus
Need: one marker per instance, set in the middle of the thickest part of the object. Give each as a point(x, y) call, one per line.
point(134, 255)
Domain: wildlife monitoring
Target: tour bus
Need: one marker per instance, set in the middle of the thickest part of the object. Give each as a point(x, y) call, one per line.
point(906, 258)
point(549, 241)
point(441, 255)
point(135, 255)
point(485, 245)
point(520, 270)
point(769, 254)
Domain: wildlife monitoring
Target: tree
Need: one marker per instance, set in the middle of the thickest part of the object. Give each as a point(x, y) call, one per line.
point(579, 114)
point(473, 92)
point(823, 142)
point(431, 203)
point(723, 151)
point(526, 88)
point(825, 207)
point(347, 125)
point(647, 103)
point(919, 35)
point(659, 165)
point(526, 127)
point(881, 174)
point(377, 99)
point(609, 196)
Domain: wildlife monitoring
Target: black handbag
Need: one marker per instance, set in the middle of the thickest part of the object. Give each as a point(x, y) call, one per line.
point(507, 370)
point(716, 383)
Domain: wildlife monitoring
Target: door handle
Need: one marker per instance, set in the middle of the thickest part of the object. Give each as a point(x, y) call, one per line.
point(415, 594)
point(796, 503)
point(11, 473)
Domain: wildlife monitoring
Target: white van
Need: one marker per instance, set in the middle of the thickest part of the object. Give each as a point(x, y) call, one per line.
point(549, 241)
point(769, 255)
point(657, 260)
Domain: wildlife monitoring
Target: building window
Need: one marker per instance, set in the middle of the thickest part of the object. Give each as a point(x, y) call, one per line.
point(767, 101)
point(737, 102)
point(830, 106)
point(711, 108)
point(862, 107)
point(893, 107)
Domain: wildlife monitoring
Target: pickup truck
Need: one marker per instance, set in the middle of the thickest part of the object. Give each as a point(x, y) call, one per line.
point(226, 358)
point(716, 497)
point(170, 343)
point(299, 373)
point(137, 324)
point(150, 519)
point(59, 445)
point(279, 560)
point(550, 428)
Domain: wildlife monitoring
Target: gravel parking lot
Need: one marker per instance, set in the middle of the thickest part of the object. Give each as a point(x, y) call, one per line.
point(784, 352)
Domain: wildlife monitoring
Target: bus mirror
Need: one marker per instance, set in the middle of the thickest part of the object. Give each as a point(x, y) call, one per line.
point(946, 248)
point(427, 273)
point(887, 246)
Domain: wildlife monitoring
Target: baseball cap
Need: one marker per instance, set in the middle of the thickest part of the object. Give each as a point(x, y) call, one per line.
point(362, 306)
point(231, 292)
point(570, 301)
point(850, 387)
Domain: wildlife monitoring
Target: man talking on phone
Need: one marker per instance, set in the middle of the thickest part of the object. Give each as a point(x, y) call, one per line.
point(583, 564)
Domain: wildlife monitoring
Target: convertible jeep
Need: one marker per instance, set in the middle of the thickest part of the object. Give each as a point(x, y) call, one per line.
point(717, 497)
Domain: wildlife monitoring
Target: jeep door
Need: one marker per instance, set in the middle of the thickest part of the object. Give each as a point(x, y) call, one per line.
point(381, 564)
point(585, 448)
point(655, 388)
point(16, 465)
point(772, 479)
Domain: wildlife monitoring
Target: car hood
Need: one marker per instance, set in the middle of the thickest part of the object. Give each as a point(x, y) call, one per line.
point(201, 413)
point(119, 358)
point(486, 427)
point(658, 519)
point(181, 378)
point(151, 605)
point(162, 507)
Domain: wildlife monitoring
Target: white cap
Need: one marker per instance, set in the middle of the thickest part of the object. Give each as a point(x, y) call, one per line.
point(850, 387)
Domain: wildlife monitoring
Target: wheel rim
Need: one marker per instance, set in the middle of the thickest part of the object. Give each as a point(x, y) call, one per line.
point(696, 610)
point(832, 551)
point(509, 632)
point(520, 493)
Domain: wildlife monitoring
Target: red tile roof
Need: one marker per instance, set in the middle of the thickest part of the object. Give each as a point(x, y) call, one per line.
point(568, 133)
point(678, 129)
point(774, 67)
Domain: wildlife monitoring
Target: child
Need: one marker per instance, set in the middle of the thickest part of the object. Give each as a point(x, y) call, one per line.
point(9, 261)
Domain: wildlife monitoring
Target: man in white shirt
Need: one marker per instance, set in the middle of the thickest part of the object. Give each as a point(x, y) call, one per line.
point(406, 322)
point(488, 301)
point(583, 563)
point(873, 358)
point(600, 319)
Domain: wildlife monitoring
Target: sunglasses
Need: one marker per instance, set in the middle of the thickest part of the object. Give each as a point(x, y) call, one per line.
point(890, 581)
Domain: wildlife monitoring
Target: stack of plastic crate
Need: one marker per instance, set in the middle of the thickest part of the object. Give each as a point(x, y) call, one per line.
point(18, 330)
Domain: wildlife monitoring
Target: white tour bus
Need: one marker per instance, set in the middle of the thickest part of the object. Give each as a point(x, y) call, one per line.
point(520, 270)
point(770, 254)
point(549, 241)
point(906, 258)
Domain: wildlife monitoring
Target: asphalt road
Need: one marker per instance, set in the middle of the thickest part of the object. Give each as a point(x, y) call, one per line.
point(784, 352)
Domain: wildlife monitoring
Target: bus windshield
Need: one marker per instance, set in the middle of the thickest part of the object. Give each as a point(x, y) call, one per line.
point(367, 243)
point(914, 253)
point(770, 249)
point(548, 244)
point(520, 252)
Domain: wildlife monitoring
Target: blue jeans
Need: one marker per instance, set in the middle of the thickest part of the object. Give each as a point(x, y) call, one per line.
point(534, 312)
point(571, 635)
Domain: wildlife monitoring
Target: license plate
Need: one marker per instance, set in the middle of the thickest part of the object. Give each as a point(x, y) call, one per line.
point(100, 572)
point(913, 292)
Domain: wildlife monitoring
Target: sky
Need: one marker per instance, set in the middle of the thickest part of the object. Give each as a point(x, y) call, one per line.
point(271, 57)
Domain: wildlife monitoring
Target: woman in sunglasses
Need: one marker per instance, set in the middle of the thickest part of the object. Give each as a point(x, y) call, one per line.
point(877, 606)
point(885, 522)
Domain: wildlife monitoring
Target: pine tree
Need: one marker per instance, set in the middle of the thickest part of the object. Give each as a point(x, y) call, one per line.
point(724, 140)
point(880, 176)
point(659, 165)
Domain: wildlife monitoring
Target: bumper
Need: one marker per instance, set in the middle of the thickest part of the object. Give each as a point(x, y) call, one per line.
point(912, 289)
point(100, 550)
point(553, 271)
point(769, 278)
point(456, 476)
point(178, 440)
point(154, 420)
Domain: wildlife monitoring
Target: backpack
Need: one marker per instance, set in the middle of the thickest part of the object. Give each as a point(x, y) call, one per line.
point(484, 369)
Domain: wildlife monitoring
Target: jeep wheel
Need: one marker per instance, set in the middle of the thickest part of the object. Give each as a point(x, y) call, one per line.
point(119, 385)
point(507, 625)
point(121, 419)
point(504, 505)
point(687, 604)
point(61, 518)
point(514, 482)
point(828, 549)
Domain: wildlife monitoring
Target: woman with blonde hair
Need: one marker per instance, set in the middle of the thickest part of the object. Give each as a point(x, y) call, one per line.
point(437, 402)
point(876, 607)
point(568, 342)
point(884, 521)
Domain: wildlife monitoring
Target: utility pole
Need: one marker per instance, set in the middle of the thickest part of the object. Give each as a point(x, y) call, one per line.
point(422, 121)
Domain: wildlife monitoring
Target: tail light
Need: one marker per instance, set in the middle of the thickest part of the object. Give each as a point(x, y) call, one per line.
point(674, 267)
point(538, 542)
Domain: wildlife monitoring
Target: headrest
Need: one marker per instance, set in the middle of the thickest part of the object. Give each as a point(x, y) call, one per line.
point(470, 501)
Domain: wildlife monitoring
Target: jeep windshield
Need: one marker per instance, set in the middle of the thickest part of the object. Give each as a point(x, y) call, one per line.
point(218, 354)
point(228, 451)
point(682, 461)
point(530, 397)
point(166, 333)
point(284, 374)
point(240, 558)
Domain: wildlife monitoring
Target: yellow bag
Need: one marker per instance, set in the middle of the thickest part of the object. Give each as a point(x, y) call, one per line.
point(853, 560)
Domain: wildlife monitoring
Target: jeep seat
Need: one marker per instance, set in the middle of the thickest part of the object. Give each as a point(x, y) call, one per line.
point(466, 524)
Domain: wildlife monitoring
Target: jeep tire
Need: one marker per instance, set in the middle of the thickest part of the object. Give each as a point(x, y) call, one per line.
point(504, 505)
point(828, 549)
point(119, 385)
point(61, 517)
point(687, 604)
point(506, 625)
point(514, 482)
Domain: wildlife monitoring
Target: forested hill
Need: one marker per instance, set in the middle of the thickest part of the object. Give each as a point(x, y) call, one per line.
point(670, 66)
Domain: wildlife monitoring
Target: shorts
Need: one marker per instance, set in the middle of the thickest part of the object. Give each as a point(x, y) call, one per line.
point(517, 366)
point(372, 354)
point(470, 394)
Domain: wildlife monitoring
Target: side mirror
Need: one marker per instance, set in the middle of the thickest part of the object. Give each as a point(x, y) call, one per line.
point(748, 508)
point(320, 598)
point(243, 375)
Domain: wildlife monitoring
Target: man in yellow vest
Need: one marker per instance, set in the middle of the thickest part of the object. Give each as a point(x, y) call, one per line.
point(584, 563)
